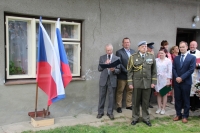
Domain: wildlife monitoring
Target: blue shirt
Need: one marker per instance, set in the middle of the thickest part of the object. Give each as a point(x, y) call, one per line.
point(128, 52)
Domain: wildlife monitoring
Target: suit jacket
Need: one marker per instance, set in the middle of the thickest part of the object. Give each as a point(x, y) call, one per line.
point(124, 61)
point(104, 71)
point(185, 72)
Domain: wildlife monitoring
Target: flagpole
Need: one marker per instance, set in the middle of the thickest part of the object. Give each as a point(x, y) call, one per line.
point(47, 112)
point(36, 99)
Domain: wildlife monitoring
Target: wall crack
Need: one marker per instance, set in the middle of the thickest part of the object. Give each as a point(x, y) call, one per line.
point(100, 12)
point(93, 34)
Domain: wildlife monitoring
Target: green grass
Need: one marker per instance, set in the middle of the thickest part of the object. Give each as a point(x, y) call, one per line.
point(159, 125)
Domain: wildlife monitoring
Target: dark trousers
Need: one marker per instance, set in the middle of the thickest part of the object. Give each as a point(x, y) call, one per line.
point(150, 95)
point(138, 96)
point(194, 102)
point(182, 99)
point(102, 97)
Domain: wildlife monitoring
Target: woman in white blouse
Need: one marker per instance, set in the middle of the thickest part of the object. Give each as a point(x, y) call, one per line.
point(164, 75)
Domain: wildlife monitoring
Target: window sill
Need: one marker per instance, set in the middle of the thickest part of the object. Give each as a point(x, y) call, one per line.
point(32, 81)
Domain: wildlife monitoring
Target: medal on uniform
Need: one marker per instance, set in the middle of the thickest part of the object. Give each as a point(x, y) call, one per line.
point(147, 60)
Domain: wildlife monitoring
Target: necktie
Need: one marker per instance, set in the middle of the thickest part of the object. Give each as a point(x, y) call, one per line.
point(108, 69)
point(142, 56)
point(181, 61)
point(192, 52)
point(109, 56)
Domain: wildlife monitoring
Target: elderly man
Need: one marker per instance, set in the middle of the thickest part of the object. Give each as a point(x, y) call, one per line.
point(107, 82)
point(142, 76)
point(124, 55)
point(194, 100)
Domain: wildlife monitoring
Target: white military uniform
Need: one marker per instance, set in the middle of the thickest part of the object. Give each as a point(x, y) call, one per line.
point(195, 75)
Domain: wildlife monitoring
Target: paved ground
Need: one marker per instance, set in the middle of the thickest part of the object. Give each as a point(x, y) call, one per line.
point(88, 119)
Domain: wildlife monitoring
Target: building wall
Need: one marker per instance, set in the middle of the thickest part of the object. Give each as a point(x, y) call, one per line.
point(104, 21)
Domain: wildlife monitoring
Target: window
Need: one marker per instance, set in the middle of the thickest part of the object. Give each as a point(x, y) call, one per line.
point(69, 31)
point(21, 44)
point(73, 51)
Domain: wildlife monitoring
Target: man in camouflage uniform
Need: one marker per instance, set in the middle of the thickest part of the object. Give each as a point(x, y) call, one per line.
point(142, 76)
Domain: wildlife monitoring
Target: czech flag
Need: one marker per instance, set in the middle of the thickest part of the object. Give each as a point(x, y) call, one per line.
point(49, 78)
point(62, 57)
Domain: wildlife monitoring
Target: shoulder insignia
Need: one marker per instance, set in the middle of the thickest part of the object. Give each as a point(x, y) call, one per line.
point(149, 53)
point(134, 54)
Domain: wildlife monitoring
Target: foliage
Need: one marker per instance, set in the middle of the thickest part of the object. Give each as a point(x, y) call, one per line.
point(160, 125)
point(13, 69)
point(197, 85)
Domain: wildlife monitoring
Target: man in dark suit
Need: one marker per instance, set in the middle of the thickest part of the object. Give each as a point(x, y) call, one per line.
point(124, 55)
point(107, 82)
point(183, 67)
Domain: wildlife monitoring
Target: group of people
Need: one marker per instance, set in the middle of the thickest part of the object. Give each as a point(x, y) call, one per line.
point(174, 72)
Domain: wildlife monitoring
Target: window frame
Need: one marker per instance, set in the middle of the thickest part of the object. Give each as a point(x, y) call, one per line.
point(71, 23)
point(78, 55)
point(30, 49)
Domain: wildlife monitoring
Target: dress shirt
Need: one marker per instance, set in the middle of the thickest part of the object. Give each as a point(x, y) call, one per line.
point(128, 52)
point(110, 60)
point(184, 56)
point(142, 54)
point(110, 56)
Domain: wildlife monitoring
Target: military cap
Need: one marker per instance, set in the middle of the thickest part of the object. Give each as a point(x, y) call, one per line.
point(142, 43)
point(150, 45)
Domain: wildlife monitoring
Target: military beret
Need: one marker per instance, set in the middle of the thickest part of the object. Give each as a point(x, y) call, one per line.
point(150, 45)
point(142, 43)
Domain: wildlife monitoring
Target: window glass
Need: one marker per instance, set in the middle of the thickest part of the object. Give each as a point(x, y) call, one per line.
point(72, 51)
point(48, 29)
point(18, 49)
point(70, 31)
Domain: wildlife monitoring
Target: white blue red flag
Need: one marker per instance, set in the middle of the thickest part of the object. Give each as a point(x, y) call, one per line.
point(62, 57)
point(49, 78)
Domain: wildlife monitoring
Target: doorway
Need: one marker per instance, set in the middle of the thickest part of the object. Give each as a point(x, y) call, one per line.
point(188, 35)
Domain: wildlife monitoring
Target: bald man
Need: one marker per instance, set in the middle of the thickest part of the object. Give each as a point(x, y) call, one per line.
point(194, 100)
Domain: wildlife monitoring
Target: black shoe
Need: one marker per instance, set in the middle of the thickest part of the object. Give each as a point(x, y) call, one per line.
point(119, 110)
point(111, 116)
point(148, 123)
point(99, 116)
point(129, 108)
point(134, 123)
point(150, 106)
